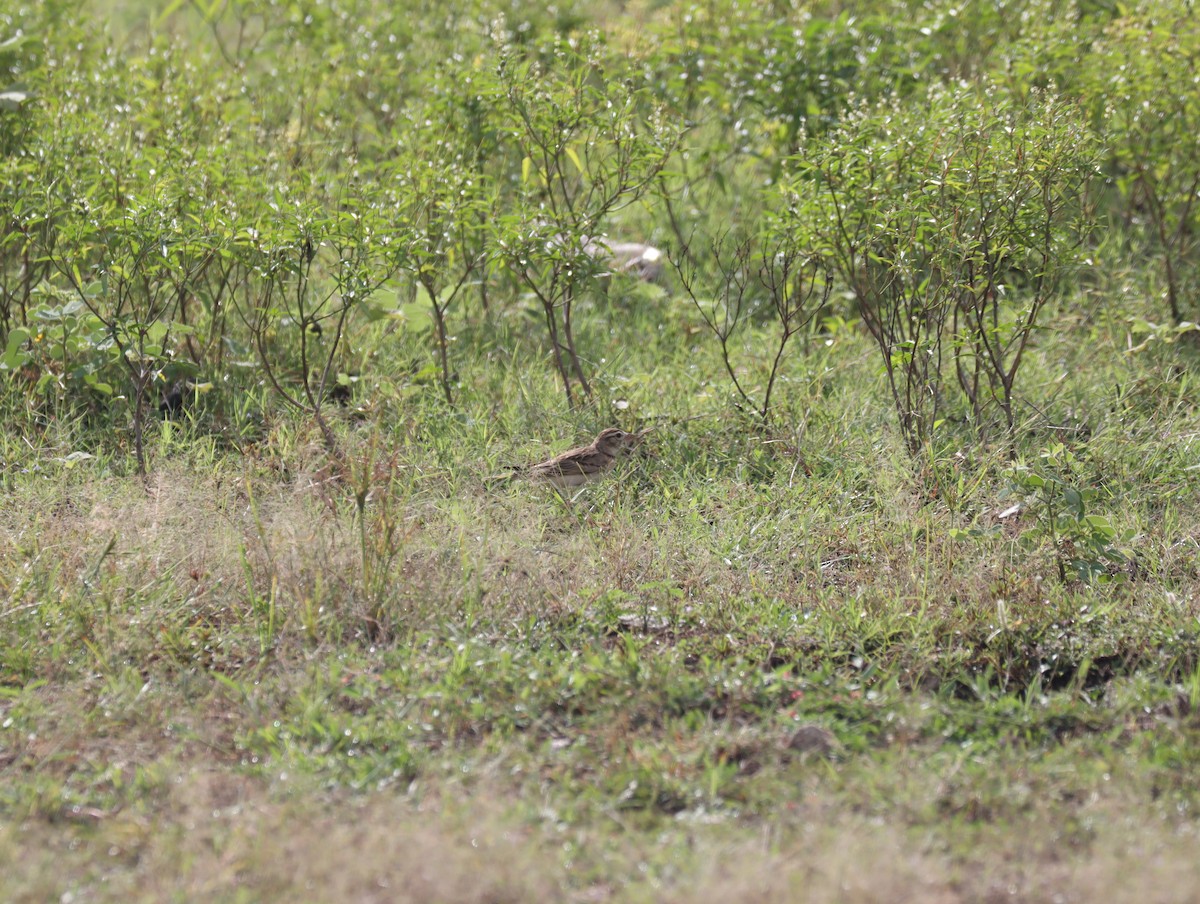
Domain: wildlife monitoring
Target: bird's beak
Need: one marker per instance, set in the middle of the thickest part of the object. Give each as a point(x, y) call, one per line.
point(633, 440)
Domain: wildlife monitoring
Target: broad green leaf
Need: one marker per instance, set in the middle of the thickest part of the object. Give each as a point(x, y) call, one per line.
point(14, 355)
point(156, 331)
point(99, 385)
point(414, 316)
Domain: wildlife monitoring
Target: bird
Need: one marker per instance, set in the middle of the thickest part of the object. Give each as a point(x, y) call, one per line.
point(635, 258)
point(643, 261)
point(583, 464)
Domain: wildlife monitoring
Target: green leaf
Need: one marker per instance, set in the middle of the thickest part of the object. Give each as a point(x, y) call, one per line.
point(374, 312)
point(156, 331)
point(94, 382)
point(1089, 571)
point(169, 10)
point(427, 374)
point(414, 316)
point(1030, 538)
point(526, 166)
point(1102, 526)
point(570, 152)
point(14, 355)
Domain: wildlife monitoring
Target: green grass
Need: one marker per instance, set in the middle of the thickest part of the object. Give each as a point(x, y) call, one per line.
point(226, 680)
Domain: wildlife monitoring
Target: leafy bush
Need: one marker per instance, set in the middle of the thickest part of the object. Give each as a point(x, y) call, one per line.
point(1141, 78)
point(1085, 543)
point(768, 270)
point(589, 146)
point(950, 223)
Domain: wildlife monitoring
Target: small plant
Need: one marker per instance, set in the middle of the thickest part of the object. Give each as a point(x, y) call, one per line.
point(65, 350)
point(127, 253)
point(770, 270)
point(313, 269)
point(950, 224)
point(589, 145)
point(1086, 545)
point(443, 208)
point(1149, 125)
point(380, 499)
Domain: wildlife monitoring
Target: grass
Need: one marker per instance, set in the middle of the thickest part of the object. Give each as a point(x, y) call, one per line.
point(253, 677)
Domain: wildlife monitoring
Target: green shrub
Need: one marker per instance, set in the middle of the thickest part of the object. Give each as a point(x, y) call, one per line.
point(951, 223)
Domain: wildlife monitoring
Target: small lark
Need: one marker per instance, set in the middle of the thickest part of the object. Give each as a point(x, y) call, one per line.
point(576, 467)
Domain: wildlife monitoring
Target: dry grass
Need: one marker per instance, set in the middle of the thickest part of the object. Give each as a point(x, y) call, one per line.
point(223, 836)
point(481, 696)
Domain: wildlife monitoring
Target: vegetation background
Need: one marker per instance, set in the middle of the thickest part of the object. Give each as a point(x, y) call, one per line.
point(899, 603)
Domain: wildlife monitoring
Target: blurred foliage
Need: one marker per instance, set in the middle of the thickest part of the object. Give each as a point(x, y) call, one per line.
point(260, 192)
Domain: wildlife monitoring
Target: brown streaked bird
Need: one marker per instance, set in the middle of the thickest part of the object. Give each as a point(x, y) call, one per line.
point(578, 466)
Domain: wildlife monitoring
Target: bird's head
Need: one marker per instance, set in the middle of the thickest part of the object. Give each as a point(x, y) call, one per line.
point(614, 441)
